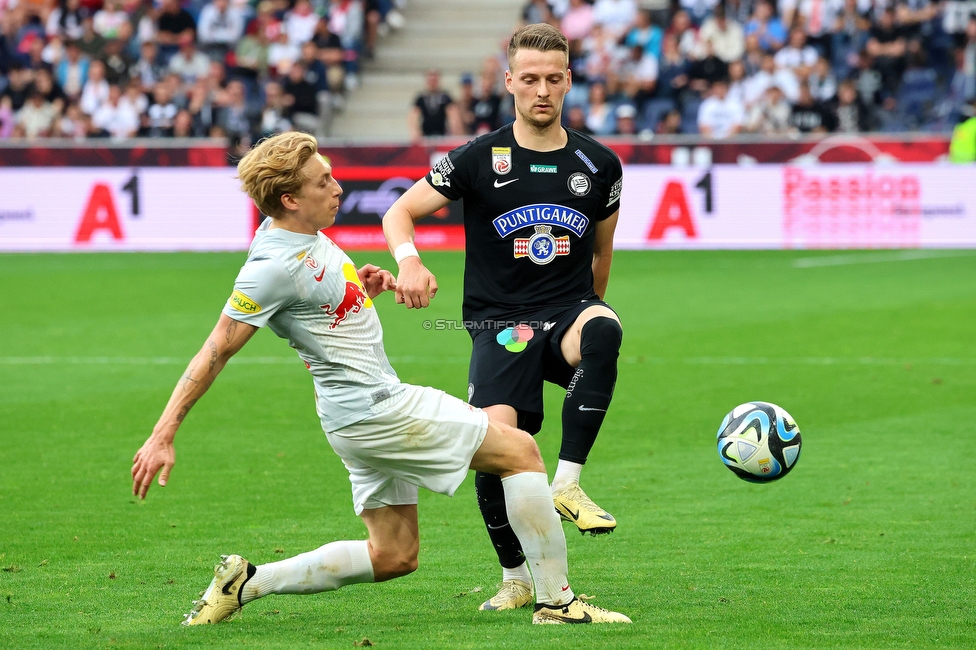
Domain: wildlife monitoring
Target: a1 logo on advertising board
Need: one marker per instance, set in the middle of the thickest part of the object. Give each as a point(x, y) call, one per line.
point(101, 214)
point(673, 214)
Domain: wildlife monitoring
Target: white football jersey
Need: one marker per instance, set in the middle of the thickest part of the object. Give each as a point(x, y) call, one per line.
point(306, 289)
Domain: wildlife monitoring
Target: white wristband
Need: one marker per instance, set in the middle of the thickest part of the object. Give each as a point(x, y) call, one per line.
point(405, 250)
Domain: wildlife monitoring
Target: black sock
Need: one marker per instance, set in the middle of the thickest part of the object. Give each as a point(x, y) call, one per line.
point(491, 500)
point(591, 389)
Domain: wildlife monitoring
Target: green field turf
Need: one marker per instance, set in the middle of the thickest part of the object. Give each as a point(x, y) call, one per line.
point(869, 543)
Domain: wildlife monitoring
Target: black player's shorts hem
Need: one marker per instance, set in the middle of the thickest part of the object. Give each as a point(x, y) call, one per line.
point(514, 374)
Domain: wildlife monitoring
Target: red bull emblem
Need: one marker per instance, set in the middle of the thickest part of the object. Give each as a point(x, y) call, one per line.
point(352, 302)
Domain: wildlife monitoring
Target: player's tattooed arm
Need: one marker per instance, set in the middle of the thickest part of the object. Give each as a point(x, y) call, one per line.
point(158, 453)
point(603, 253)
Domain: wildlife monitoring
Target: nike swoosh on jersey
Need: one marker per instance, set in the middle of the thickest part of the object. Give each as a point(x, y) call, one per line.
point(586, 408)
point(318, 278)
point(497, 184)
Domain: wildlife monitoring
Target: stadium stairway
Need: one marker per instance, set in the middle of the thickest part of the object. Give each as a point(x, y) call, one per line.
point(453, 36)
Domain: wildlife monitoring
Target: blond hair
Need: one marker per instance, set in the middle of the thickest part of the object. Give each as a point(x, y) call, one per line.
point(539, 36)
point(273, 168)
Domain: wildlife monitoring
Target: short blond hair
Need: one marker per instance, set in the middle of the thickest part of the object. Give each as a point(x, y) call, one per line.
point(538, 36)
point(273, 168)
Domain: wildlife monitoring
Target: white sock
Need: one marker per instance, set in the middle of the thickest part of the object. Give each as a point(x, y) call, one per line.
point(567, 473)
point(535, 522)
point(325, 569)
point(521, 572)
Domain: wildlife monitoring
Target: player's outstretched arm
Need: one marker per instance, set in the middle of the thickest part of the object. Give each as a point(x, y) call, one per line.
point(416, 285)
point(603, 253)
point(227, 338)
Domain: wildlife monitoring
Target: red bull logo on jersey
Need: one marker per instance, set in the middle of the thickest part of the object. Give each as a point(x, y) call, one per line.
point(541, 213)
point(354, 298)
point(542, 247)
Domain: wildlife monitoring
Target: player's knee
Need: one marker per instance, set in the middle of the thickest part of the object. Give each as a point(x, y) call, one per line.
point(601, 337)
point(528, 458)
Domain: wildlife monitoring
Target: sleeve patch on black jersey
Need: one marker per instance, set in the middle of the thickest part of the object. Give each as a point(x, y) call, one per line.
point(589, 163)
point(615, 192)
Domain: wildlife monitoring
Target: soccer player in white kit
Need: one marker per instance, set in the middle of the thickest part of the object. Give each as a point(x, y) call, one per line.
point(391, 436)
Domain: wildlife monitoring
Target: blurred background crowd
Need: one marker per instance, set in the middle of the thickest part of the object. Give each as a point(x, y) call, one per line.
point(241, 69)
point(722, 68)
point(234, 69)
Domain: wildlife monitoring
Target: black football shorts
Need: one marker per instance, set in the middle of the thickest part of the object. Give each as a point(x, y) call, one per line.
point(509, 366)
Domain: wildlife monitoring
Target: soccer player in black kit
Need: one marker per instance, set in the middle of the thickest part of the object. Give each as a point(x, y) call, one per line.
point(540, 207)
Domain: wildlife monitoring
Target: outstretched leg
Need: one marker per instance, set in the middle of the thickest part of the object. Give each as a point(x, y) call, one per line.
point(592, 345)
point(390, 552)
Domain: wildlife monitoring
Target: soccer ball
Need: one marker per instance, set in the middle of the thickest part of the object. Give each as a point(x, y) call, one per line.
point(759, 442)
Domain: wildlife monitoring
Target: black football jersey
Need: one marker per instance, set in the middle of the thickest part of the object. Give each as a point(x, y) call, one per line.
point(529, 221)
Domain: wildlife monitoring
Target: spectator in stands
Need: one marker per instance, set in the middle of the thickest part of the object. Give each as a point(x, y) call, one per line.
point(578, 21)
point(767, 27)
point(706, 71)
point(599, 53)
point(220, 27)
point(183, 125)
point(724, 36)
point(626, 120)
point(135, 98)
point(822, 81)
point(600, 116)
point(332, 56)
point(282, 53)
point(810, 115)
point(72, 71)
point(189, 62)
point(888, 47)
point(770, 115)
point(65, 20)
point(487, 109)
point(718, 117)
point(850, 113)
point(308, 108)
point(274, 114)
point(45, 84)
point(111, 21)
point(672, 71)
point(117, 61)
point(670, 124)
point(850, 35)
point(770, 75)
point(36, 116)
point(737, 82)
point(115, 119)
point(698, 10)
point(71, 124)
point(684, 32)
point(537, 11)
point(465, 103)
point(816, 18)
point(91, 42)
point(300, 23)
point(147, 68)
point(251, 54)
point(797, 56)
point(638, 76)
point(433, 110)
point(161, 112)
point(346, 20)
point(174, 22)
point(752, 60)
point(615, 16)
point(645, 34)
point(315, 71)
point(576, 119)
point(236, 119)
point(95, 91)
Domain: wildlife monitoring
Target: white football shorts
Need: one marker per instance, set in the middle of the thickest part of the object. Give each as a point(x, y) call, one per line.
point(426, 439)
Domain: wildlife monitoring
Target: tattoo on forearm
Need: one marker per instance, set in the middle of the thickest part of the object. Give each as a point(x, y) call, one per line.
point(231, 329)
point(213, 354)
point(186, 409)
point(186, 380)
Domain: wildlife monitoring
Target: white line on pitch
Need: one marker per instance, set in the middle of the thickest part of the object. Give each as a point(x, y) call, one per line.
point(873, 258)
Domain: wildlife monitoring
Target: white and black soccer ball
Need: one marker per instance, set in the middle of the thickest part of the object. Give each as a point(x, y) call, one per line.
point(759, 442)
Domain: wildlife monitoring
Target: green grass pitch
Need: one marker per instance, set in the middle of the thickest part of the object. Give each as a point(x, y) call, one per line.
point(869, 543)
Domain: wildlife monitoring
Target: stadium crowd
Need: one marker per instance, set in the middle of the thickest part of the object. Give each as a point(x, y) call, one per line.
point(724, 67)
point(164, 68)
